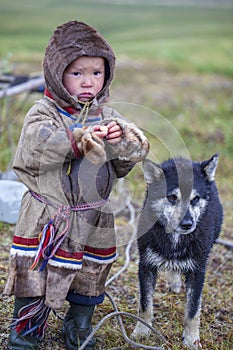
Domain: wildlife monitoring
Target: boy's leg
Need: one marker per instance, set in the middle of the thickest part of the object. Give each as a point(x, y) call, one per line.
point(17, 341)
point(87, 291)
point(77, 323)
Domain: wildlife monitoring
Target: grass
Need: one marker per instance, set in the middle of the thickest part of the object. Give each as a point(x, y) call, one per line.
point(195, 112)
point(174, 79)
point(191, 37)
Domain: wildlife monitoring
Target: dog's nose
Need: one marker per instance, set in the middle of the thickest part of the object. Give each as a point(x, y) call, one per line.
point(186, 224)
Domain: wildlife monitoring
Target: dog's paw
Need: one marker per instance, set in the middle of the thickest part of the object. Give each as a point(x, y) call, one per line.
point(141, 331)
point(192, 344)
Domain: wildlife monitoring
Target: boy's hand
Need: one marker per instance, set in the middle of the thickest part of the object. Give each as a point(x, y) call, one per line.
point(112, 132)
point(100, 130)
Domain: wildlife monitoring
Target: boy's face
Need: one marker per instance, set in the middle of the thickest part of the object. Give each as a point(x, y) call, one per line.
point(84, 77)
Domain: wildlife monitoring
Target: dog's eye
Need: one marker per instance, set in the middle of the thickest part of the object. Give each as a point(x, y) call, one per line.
point(172, 198)
point(195, 200)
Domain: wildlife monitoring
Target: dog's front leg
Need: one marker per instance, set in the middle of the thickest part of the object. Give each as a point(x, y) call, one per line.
point(194, 286)
point(147, 281)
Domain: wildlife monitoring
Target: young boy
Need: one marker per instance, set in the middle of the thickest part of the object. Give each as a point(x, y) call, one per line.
point(72, 148)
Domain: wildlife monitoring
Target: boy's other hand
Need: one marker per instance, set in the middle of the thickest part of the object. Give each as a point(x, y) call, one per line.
point(100, 131)
point(112, 132)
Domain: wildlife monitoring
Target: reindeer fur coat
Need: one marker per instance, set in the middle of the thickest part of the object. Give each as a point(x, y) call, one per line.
point(59, 179)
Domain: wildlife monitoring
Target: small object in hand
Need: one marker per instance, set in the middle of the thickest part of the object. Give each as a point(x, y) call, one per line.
point(103, 128)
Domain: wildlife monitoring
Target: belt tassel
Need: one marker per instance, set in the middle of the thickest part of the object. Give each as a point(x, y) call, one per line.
point(46, 237)
point(33, 318)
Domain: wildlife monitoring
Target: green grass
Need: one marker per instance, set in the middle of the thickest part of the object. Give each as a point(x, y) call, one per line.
point(191, 37)
point(174, 79)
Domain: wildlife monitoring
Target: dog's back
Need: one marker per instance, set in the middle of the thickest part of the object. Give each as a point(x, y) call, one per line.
point(180, 221)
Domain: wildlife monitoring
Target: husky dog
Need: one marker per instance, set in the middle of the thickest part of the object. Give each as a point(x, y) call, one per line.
point(180, 221)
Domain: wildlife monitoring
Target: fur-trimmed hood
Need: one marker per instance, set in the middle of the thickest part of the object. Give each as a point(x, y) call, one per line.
point(70, 41)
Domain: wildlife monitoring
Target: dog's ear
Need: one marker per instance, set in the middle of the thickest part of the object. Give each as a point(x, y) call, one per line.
point(152, 171)
point(209, 167)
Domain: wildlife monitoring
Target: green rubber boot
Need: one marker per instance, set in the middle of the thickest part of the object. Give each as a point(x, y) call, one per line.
point(17, 341)
point(77, 326)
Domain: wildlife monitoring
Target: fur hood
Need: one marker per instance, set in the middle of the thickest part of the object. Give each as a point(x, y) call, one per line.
point(70, 41)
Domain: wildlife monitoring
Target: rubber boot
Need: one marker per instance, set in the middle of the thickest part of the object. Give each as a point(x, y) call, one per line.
point(77, 326)
point(17, 341)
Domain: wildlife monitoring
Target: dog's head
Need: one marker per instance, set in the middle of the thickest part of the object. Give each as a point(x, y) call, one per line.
point(178, 191)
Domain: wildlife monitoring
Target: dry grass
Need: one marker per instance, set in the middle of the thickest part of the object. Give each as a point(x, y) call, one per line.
point(199, 106)
point(216, 320)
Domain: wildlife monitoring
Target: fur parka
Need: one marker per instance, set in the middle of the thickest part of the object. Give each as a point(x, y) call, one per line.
point(66, 190)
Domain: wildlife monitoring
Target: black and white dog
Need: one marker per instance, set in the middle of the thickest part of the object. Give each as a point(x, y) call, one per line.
point(180, 221)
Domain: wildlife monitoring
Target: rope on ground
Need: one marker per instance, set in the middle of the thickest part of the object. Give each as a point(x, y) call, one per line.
point(118, 313)
point(133, 236)
point(227, 244)
point(129, 341)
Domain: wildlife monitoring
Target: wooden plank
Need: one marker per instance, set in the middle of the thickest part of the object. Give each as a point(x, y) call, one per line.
point(18, 89)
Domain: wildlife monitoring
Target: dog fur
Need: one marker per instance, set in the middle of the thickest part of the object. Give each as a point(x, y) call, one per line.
point(180, 221)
